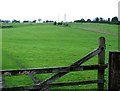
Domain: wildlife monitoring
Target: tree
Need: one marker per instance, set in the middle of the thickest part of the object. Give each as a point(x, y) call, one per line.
point(26, 21)
point(88, 20)
point(101, 20)
point(114, 20)
point(39, 20)
point(34, 21)
point(82, 20)
point(96, 19)
point(108, 21)
point(76, 20)
point(55, 23)
point(48, 21)
point(15, 21)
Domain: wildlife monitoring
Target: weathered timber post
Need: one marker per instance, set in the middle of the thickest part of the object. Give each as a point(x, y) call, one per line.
point(101, 61)
point(114, 71)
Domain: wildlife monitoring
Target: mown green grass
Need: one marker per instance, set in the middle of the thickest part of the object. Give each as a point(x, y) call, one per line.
point(46, 45)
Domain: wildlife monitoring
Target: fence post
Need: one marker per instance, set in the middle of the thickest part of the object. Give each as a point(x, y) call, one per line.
point(114, 71)
point(101, 61)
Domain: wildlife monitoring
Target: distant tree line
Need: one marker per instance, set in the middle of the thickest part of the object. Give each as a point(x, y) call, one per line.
point(48, 21)
point(4, 21)
point(15, 21)
point(114, 20)
point(60, 23)
point(18, 21)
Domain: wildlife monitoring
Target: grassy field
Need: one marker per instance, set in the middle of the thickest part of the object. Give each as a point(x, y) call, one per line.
point(46, 45)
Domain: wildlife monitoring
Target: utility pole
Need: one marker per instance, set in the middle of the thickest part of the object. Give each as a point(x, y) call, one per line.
point(58, 18)
point(64, 17)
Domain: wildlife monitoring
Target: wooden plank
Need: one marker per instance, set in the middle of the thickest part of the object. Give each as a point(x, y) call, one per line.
point(87, 57)
point(73, 83)
point(101, 61)
point(20, 88)
point(51, 70)
point(114, 71)
point(36, 87)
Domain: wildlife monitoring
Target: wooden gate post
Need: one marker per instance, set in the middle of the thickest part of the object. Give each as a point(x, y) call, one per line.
point(101, 61)
point(114, 71)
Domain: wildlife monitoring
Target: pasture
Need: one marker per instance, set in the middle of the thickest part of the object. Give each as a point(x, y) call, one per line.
point(46, 45)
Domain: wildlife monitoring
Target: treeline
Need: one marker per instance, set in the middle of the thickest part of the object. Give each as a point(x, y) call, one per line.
point(18, 21)
point(25, 21)
point(61, 23)
point(114, 20)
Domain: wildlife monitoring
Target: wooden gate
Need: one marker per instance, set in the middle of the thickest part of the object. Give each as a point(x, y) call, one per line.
point(61, 71)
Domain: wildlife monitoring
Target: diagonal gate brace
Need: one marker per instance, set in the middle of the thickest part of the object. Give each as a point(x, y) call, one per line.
point(58, 75)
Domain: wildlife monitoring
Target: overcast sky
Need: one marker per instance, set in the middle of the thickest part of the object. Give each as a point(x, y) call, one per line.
point(54, 9)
